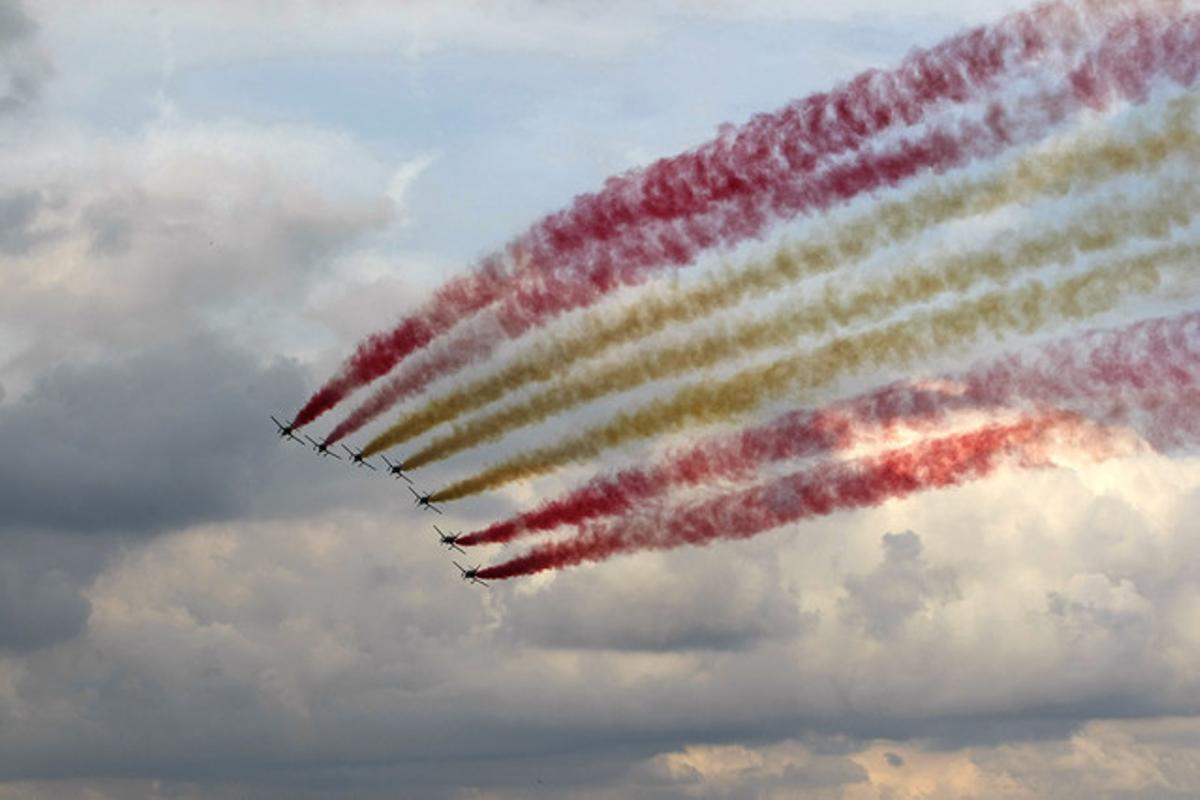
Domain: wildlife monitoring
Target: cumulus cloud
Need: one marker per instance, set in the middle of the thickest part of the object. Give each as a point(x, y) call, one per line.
point(156, 441)
point(901, 586)
point(684, 611)
point(108, 244)
point(732, 771)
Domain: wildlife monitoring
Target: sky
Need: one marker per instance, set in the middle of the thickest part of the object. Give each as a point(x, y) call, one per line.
point(205, 206)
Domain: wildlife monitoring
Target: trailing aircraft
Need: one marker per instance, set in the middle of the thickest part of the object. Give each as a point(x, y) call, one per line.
point(424, 500)
point(358, 459)
point(322, 448)
point(394, 469)
point(450, 540)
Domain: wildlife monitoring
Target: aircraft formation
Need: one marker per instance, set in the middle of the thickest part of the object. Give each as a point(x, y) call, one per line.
point(856, 198)
point(423, 501)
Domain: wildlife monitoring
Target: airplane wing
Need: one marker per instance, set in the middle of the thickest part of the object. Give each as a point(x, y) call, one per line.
point(369, 466)
point(439, 530)
point(347, 449)
point(432, 507)
point(385, 460)
point(314, 441)
point(459, 549)
point(402, 475)
point(277, 422)
point(414, 492)
point(335, 455)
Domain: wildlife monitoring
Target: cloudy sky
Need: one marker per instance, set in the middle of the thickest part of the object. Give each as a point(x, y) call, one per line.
point(204, 206)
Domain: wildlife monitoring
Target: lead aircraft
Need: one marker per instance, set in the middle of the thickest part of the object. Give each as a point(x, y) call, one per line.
point(424, 500)
point(286, 431)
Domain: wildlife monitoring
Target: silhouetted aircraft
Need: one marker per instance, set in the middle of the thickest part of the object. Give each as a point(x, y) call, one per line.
point(322, 448)
point(358, 459)
point(471, 574)
point(286, 431)
point(425, 500)
point(450, 540)
point(394, 469)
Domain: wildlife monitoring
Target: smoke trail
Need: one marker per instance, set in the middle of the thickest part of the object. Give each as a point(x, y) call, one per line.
point(1022, 311)
point(1065, 167)
point(1099, 227)
point(642, 206)
point(817, 491)
point(1119, 64)
point(1094, 374)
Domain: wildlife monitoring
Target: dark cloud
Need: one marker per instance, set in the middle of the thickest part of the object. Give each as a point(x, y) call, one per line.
point(39, 608)
point(24, 69)
point(157, 441)
point(901, 586)
point(42, 583)
point(894, 759)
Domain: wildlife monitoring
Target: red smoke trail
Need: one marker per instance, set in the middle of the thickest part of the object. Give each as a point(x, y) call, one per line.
point(1128, 57)
point(818, 491)
point(375, 356)
point(651, 207)
point(1094, 374)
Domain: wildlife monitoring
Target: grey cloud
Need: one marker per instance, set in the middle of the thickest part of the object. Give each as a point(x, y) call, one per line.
point(24, 68)
point(901, 586)
point(109, 226)
point(39, 608)
point(42, 584)
point(894, 759)
point(719, 605)
point(20, 226)
point(151, 442)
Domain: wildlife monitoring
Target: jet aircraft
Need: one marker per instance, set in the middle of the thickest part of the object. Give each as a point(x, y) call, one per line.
point(358, 460)
point(322, 448)
point(471, 574)
point(394, 469)
point(286, 431)
point(424, 500)
point(450, 540)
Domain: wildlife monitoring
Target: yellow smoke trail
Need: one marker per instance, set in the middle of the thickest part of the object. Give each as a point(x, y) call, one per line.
point(1099, 227)
point(1065, 166)
point(897, 345)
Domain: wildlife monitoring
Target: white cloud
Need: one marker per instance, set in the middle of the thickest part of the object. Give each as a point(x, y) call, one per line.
point(135, 239)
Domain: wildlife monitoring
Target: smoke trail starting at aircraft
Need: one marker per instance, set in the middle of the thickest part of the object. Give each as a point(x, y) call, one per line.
point(556, 281)
point(1033, 307)
point(1067, 166)
point(818, 491)
point(1099, 375)
point(1098, 227)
